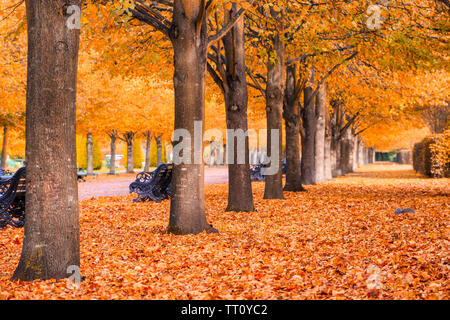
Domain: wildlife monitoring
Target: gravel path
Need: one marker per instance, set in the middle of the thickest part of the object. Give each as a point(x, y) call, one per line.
point(107, 186)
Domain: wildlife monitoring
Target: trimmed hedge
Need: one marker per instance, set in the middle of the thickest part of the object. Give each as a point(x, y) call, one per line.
point(431, 156)
point(440, 152)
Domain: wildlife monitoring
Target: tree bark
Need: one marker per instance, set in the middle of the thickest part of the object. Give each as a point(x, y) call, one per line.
point(346, 156)
point(187, 209)
point(336, 163)
point(4, 146)
point(319, 141)
point(89, 154)
point(129, 140)
point(276, 77)
point(158, 150)
point(292, 128)
point(352, 160)
point(335, 126)
point(240, 196)
point(355, 140)
point(148, 137)
point(308, 143)
point(327, 150)
point(112, 163)
point(52, 235)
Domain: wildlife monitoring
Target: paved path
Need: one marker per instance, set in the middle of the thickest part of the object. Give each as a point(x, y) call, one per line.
point(107, 186)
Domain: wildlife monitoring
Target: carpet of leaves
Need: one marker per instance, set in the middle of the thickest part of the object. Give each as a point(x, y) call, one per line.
point(323, 244)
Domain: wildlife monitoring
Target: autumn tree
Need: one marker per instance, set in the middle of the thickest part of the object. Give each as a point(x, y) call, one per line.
point(52, 238)
point(230, 74)
point(185, 24)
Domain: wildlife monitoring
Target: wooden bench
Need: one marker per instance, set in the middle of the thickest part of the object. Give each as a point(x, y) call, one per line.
point(153, 186)
point(12, 200)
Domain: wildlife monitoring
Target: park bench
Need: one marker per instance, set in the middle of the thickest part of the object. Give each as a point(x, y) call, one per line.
point(12, 199)
point(153, 186)
point(255, 172)
point(5, 172)
point(81, 175)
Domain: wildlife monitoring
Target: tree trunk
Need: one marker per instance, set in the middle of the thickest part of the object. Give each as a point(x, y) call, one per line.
point(158, 150)
point(112, 163)
point(52, 235)
point(240, 196)
point(276, 77)
point(327, 151)
point(129, 139)
point(187, 209)
point(308, 144)
point(319, 143)
point(148, 136)
point(355, 140)
point(351, 164)
point(346, 156)
point(4, 146)
point(336, 159)
point(89, 154)
point(292, 126)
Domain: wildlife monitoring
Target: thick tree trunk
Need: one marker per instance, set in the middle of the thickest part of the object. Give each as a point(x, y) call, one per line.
point(112, 163)
point(158, 150)
point(240, 196)
point(292, 126)
point(51, 245)
point(148, 144)
point(276, 77)
point(4, 146)
point(89, 154)
point(319, 143)
point(187, 209)
point(308, 143)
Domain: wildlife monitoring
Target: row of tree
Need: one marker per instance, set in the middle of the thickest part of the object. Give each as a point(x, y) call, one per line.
point(280, 52)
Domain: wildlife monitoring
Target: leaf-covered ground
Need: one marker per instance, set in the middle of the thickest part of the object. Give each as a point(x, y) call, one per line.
point(340, 240)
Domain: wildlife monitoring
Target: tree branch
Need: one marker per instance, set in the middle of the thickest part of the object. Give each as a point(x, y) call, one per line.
point(222, 32)
point(329, 73)
point(215, 77)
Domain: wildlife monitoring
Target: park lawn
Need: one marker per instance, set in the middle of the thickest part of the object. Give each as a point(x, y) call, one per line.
point(323, 244)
